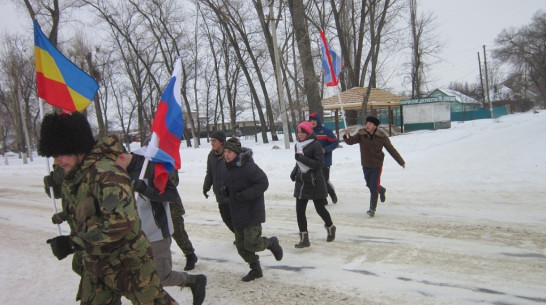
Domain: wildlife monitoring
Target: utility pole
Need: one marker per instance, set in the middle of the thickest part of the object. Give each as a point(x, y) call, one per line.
point(278, 75)
point(487, 82)
point(481, 79)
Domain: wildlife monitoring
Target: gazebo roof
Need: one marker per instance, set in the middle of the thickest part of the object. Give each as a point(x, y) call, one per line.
point(352, 99)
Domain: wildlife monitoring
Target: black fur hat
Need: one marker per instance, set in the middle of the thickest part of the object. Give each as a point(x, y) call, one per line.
point(373, 120)
point(65, 134)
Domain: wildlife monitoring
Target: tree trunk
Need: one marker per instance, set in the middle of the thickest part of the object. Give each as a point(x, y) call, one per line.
point(297, 12)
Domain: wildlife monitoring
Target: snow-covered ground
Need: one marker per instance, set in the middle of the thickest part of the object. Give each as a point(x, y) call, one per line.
point(464, 223)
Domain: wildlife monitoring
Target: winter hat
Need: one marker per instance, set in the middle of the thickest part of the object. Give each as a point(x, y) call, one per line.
point(65, 134)
point(306, 126)
point(218, 135)
point(233, 144)
point(372, 120)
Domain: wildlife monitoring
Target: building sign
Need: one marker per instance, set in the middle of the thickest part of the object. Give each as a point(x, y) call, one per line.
point(428, 100)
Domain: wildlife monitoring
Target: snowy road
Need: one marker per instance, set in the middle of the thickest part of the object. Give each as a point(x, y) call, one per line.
point(464, 223)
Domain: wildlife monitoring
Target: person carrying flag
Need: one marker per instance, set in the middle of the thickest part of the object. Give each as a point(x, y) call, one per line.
point(117, 256)
point(329, 142)
point(155, 215)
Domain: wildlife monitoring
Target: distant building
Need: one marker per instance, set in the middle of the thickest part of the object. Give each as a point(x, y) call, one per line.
point(458, 101)
point(439, 109)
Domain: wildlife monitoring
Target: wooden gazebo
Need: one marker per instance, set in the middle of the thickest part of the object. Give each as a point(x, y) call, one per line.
point(352, 100)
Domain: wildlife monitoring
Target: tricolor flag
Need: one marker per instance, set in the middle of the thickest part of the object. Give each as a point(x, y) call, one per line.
point(331, 63)
point(167, 129)
point(60, 82)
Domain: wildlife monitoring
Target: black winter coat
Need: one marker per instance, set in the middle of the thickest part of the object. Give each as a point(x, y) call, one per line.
point(246, 184)
point(216, 168)
point(310, 185)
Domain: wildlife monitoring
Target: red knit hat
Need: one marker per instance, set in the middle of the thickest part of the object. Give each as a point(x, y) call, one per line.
point(306, 126)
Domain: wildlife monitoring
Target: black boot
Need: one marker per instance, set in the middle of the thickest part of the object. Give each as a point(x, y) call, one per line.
point(331, 233)
point(333, 196)
point(191, 260)
point(275, 247)
point(254, 273)
point(197, 284)
point(373, 201)
point(371, 213)
point(304, 241)
point(382, 192)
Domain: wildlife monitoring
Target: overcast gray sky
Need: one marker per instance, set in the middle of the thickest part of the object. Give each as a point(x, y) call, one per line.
point(464, 25)
point(467, 25)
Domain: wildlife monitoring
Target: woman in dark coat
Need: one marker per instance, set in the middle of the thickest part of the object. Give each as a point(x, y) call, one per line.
point(245, 185)
point(310, 183)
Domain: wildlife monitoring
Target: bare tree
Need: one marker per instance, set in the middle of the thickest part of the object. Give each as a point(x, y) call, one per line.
point(424, 44)
point(233, 26)
point(301, 31)
point(47, 10)
point(16, 66)
point(525, 49)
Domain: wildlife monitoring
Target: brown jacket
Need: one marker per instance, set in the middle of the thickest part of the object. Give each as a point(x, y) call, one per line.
point(371, 148)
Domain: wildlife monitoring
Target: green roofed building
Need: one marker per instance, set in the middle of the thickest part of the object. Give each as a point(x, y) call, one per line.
point(436, 110)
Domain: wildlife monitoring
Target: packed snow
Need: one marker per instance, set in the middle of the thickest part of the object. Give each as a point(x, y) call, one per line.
point(463, 223)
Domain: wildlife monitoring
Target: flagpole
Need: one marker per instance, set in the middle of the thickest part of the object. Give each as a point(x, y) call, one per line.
point(48, 169)
point(342, 110)
point(142, 172)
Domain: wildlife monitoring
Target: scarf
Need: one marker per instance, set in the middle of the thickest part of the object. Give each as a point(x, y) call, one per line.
point(299, 150)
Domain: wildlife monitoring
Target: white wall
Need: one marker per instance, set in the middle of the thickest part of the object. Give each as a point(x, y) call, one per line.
point(427, 113)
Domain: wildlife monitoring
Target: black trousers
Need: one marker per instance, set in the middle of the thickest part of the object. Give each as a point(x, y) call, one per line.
point(320, 207)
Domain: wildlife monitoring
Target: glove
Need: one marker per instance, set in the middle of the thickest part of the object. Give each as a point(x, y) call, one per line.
point(49, 182)
point(62, 246)
point(239, 196)
point(205, 193)
point(293, 177)
point(140, 186)
point(57, 218)
point(298, 156)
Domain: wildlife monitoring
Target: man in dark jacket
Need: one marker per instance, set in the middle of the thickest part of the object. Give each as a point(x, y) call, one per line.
point(245, 184)
point(154, 211)
point(216, 170)
point(372, 140)
point(329, 142)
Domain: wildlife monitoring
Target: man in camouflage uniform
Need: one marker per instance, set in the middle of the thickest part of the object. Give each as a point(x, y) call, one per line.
point(117, 257)
point(180, 235)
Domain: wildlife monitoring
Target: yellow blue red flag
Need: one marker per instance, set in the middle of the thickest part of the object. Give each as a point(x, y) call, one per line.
point(59, 81)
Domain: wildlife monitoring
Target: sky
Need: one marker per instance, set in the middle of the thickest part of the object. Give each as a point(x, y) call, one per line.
point(463, 25)
point(463, 223)
point(466, 26)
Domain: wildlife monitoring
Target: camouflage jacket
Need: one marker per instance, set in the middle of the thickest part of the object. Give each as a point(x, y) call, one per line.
point(100, 201)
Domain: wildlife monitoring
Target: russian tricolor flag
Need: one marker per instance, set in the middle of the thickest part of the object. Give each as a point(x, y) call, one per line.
point(167, 130)
point(331, 63)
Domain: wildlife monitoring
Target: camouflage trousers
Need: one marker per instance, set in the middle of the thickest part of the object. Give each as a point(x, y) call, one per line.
point(129, 271)
point(180, 235)
point(77, 266)
point(248, 241)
